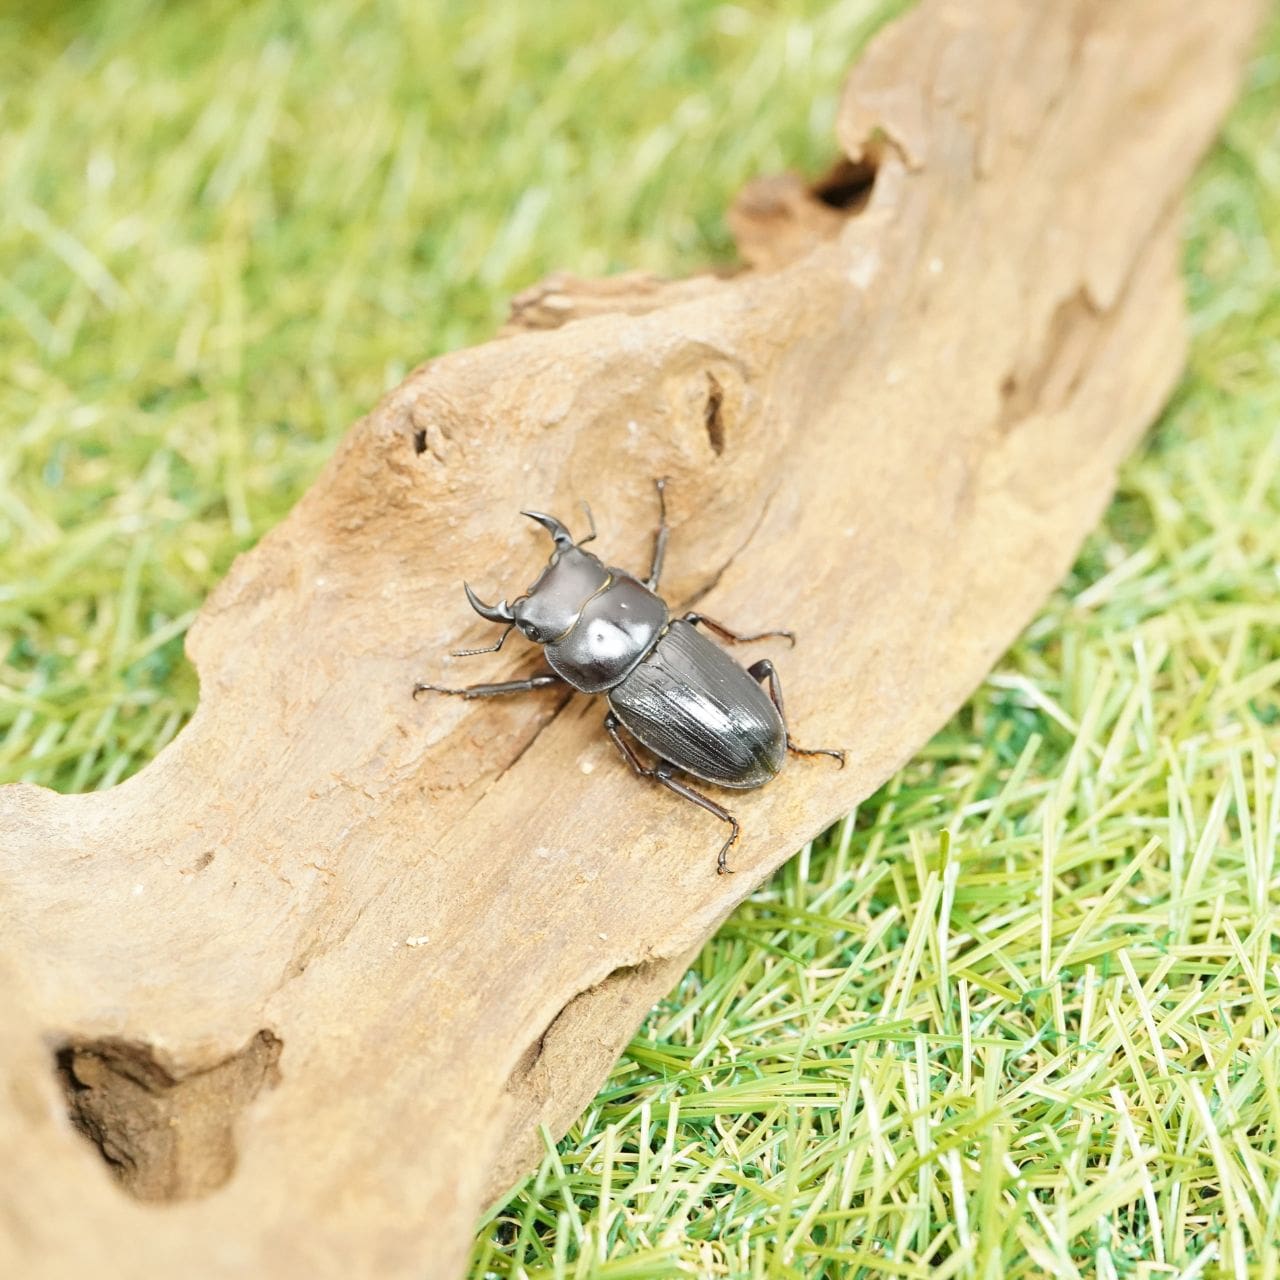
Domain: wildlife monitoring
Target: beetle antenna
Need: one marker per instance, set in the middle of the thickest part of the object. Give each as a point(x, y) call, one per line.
point(591, 520)
point(489, 648)
point(559, 534)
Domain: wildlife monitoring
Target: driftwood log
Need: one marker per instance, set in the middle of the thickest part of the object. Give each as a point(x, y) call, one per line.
point(313, 978)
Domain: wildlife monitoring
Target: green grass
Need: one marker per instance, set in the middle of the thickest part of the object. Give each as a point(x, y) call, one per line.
point(1019, 1015)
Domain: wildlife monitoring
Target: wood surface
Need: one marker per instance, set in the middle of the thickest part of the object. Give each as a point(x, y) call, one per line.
point(293, 1000)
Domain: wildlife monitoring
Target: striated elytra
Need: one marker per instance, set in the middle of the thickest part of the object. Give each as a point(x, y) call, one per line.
point(672, 688)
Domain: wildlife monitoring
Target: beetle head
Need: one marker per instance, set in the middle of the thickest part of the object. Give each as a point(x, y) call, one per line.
point(552, 604)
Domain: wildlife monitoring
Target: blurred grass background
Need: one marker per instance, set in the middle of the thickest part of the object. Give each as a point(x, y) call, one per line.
point(1015, 1017)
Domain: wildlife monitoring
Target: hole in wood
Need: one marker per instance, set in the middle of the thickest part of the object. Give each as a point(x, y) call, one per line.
point(713, 416)
point(164, 1138)
point(848, 184)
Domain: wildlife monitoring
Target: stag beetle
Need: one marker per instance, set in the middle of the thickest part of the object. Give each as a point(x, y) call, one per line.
point(675, 691)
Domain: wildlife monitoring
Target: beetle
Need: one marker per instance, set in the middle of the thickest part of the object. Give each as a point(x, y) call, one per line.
point(672, 688)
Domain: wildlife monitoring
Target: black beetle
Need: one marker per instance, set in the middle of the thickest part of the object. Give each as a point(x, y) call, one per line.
point(676, 691)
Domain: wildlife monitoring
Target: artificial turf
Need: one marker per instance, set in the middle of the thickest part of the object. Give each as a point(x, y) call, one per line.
point(1018, 1015)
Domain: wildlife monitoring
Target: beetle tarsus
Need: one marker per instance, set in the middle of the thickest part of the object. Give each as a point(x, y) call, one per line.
point(733, 637)
point(834, 752)
point(722, 862)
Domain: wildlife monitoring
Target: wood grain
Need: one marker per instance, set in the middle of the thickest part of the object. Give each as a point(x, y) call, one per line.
point(313, 977)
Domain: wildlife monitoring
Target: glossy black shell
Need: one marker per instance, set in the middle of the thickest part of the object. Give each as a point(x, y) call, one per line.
point(615, 628)
point(691, 704)
point(550, 609)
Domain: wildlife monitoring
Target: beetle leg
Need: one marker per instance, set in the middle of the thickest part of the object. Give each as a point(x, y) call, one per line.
point(659, 538)
point(661, 772)
point(611, 723)
point(492, 690)
point(764, 670)
point(732, 636)
point(674, 784)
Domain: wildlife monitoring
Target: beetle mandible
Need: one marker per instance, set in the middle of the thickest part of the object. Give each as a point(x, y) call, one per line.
point(677, 692)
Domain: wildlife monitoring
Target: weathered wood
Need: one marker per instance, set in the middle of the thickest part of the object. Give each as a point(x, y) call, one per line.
point(316, 973)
